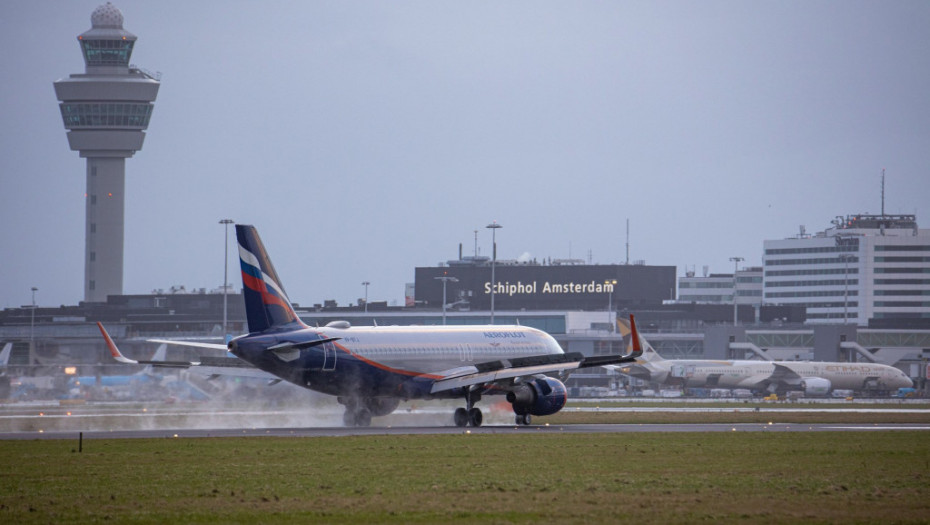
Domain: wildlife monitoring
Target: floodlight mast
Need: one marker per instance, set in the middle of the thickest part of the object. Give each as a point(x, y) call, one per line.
point(736, 261)
point(445, 279)
point(494, 226)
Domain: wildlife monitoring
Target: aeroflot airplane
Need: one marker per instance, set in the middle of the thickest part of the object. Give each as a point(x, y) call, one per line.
point(811, 377)
point(371, 369)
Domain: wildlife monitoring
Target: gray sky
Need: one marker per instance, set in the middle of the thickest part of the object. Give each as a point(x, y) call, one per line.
point(364, 139)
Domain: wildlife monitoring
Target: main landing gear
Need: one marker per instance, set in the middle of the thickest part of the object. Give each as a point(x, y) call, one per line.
point(470, 416)
point(524, 419)
point(356, 414)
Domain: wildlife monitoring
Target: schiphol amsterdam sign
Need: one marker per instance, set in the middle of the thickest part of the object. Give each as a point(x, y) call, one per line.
point(546, 287)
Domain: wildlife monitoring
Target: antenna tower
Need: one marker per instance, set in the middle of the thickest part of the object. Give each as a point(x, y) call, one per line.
point(628, 241)
point(883, 193)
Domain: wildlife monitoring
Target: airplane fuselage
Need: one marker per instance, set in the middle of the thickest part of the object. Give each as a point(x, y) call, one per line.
point(749, 374)
point(394, 361)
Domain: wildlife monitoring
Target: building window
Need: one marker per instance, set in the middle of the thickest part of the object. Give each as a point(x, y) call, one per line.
point(107, 52)
point(133, 115)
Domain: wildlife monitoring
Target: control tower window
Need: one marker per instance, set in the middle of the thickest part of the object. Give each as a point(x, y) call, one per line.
point(107, 115)
point(107, 52)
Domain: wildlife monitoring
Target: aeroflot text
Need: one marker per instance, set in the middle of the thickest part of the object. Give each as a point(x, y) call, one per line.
point(511, 289)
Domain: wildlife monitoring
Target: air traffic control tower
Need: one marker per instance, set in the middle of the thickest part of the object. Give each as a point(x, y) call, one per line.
point(106, 111)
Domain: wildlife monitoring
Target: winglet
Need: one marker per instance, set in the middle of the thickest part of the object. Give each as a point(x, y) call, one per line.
point(5, 354)
point(114, 351)
point(634, 340)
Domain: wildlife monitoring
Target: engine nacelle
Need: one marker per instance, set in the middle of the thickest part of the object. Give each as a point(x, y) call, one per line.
point(816, 386)
point(539, 397)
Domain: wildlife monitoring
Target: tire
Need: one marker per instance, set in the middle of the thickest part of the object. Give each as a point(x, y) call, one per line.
point(460, 417)
point(475, 417)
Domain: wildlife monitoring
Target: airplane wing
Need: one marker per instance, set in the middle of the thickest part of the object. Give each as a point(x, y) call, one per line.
point(781, 375)
point(785, 375)
point(196, 344)
point(496, 371)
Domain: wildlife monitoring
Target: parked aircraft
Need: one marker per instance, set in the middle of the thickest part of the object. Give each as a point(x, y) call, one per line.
point(371, 369)
point(146, 375)
point(811, 377)
point(5, 355)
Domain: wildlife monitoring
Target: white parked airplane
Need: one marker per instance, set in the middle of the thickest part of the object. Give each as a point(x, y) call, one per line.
point(811, 377)
point(371, 369)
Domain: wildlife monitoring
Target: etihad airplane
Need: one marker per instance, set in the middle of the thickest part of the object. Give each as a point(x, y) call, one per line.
point(371, 369)
point(811, 377)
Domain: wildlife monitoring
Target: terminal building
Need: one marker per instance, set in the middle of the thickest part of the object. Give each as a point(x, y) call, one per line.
point(743, 287)
point(867, 270)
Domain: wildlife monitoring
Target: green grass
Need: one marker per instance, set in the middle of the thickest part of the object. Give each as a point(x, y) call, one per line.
point(821, 477)
point(567, 417)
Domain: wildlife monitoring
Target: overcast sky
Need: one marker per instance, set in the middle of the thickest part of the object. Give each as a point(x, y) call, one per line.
point(364, 139)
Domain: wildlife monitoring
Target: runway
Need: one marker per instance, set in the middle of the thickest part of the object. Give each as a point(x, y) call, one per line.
point(128, 421)
point(438, 430)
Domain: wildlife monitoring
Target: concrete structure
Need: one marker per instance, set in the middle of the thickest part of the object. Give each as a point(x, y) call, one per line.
point(717, 288)
point(106, 111)
point(868, 270)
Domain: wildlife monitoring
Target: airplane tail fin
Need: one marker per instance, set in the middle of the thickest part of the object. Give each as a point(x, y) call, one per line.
point(637, 341)
point(266, 304)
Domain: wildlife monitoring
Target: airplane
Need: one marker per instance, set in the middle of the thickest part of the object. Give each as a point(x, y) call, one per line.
point(144, 376)
point(372, 369)
point(814, 378)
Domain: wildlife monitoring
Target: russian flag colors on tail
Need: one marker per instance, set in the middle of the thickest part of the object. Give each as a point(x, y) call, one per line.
point(266, 304)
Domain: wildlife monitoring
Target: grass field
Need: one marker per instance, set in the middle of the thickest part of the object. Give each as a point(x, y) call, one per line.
point(823, 477)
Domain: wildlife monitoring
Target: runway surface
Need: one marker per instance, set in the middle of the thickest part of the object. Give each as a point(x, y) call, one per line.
point(126, 421)
point(484, 430)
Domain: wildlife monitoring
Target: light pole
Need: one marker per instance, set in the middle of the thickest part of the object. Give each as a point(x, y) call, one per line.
point(736, 261)
point(365, 284)
point(845, 257)
point(610, 283)
point(225, 223)
point(445, 279)
point(32, 323)
point(494, 227)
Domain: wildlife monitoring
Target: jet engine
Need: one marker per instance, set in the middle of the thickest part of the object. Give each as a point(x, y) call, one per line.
point(816, 386)
point(539, 397)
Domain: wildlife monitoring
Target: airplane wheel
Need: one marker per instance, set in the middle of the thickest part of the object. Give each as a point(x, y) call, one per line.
point(475, 417)
point(360, 417)
point(524, 419)
point(460, 417)
point(363, 417)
